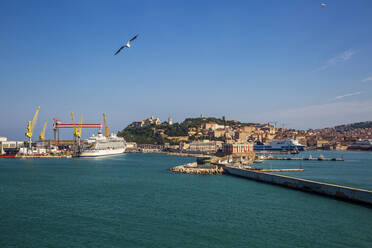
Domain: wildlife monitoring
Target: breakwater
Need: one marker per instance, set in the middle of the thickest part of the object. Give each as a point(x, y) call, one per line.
point(193, 168)
point(336, 191)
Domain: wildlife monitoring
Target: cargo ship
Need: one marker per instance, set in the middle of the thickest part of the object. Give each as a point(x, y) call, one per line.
point(100, 145)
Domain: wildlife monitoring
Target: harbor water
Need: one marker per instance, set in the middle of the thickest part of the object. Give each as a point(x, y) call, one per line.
point(132, 200)
point(355, 171)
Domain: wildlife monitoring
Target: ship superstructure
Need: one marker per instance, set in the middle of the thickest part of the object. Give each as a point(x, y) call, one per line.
point(100, 145)
point(282, 145)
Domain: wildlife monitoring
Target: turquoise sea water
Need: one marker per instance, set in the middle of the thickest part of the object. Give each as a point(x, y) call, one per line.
point(133, 201)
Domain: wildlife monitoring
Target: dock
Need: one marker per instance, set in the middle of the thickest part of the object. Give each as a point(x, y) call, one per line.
point(344, 193)
point(43, 156)
point(302, 158)
point(280, 170)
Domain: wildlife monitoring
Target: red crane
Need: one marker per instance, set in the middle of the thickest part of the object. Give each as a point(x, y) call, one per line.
point(57, 125)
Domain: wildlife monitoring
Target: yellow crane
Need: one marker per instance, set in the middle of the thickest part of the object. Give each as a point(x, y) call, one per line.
point(77, 132)
point(42, 135)
point(107, 131)
point(77, 129)
point(31, 126)
point(80, 125)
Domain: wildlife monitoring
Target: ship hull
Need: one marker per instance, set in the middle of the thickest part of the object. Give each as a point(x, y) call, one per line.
point(102, 153)
point(361, 148)
point(286, 148)
point(8, 156)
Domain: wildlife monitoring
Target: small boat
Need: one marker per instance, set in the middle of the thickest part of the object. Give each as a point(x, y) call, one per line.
point(258, 161)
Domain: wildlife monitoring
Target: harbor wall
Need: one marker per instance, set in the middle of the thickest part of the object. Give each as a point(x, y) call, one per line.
point(332, 190)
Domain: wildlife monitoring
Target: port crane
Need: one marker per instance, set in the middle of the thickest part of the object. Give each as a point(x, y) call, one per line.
point(77, 127)
point(58, 125)
point(107, 131)
point(77, 131)
point(30, 127)
point(42, 135)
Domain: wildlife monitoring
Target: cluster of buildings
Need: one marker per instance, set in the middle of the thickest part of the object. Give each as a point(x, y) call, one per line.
point(335, 138)
point(146, 122)
point(12, 147)
point(236, 133)
point(327, 138)
point(150, 121)
point(210, 137)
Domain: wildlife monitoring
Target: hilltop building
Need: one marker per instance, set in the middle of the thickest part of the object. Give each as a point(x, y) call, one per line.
point(170, 120)
point(212, 126)
point(146, 122)
point(205, 146)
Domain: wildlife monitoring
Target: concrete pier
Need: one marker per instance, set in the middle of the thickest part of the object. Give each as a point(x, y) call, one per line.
point(302, 158)
point(336, 191)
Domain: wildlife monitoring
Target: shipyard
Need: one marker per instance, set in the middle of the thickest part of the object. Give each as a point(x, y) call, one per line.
point(98, 145)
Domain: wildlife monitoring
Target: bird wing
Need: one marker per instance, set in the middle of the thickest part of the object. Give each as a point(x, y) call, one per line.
point(118, 51)
point(135, 37)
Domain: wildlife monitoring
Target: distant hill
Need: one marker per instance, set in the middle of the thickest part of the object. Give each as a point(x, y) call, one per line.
point(365, 124)
point(150, 134)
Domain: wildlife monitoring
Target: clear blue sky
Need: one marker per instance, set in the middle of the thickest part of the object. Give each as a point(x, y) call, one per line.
point(257, 61)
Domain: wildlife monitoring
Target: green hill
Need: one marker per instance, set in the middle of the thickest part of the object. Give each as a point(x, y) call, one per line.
point(365, 124)
point(152, 134)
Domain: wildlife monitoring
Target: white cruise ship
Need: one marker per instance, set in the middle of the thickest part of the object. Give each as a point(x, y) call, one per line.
point(100, 145)
point(282, 145)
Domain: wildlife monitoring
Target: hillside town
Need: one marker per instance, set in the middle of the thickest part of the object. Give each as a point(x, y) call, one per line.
point(204, 134)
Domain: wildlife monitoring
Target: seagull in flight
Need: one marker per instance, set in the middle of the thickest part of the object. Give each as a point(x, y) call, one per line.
point(126, 45)
point(323, 5)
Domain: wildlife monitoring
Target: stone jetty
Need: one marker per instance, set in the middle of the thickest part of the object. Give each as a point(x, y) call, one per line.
point(193, 168)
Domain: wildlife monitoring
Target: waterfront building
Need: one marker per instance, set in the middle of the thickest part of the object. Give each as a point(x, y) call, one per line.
point(237, 148)
point(10, 147)
point(148, 148)
point(131, 145)
point(205, 146)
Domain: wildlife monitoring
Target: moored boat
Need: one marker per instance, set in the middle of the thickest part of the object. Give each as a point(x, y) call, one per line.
point(100, 145)
point(282, 145)
point(365, 145)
